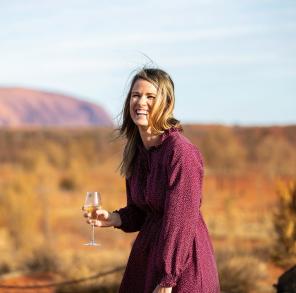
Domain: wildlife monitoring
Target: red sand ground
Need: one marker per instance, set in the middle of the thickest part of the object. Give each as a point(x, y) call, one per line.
point(30, 280)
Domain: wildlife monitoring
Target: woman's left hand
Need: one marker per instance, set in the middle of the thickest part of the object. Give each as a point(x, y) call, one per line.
point(160, 289)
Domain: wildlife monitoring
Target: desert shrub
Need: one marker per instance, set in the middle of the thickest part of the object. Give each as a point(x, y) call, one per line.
point(67, 184)
point(284, 221)
point(83, 266)
point(227, 160)
point(6, 265)
point(270, 153)
point(238, 273)
point(42, 259)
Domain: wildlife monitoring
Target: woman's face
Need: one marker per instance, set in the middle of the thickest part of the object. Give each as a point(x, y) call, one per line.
point(142, 98)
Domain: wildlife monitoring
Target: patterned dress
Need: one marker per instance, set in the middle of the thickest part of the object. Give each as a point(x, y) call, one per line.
point(164, 195)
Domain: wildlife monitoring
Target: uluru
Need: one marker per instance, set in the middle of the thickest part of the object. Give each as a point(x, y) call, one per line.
point(29, 107)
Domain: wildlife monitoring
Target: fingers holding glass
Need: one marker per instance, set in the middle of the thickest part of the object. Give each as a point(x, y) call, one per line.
point(91, 205)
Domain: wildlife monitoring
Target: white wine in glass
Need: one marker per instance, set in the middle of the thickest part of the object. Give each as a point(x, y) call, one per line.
point(91, 205)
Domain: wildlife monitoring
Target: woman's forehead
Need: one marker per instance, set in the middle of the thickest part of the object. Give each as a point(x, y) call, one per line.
point(143, 85)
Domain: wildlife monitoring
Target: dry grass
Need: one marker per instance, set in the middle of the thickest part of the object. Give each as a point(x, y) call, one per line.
point(42, 259)
point(42, 185)
point(284, 220)
point(239, 273)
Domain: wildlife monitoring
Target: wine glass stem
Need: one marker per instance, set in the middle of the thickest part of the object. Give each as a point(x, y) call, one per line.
point(93, 233)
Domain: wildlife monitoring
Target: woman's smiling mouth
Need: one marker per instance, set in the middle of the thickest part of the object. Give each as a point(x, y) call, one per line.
point(141, 113)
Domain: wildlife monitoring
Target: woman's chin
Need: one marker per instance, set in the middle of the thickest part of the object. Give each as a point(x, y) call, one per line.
point(141, 123)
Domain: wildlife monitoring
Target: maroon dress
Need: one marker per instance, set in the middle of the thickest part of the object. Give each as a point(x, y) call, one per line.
point(173, 248)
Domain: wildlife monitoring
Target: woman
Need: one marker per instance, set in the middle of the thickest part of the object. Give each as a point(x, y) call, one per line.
point(164, 174)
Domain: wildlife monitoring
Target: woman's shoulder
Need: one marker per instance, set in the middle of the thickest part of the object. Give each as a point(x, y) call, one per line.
point(178, 145)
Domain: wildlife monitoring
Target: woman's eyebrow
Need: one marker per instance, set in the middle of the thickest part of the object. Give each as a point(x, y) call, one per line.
point(148, 94)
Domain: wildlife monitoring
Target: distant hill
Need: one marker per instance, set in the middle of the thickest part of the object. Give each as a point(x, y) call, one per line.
point(26, 107)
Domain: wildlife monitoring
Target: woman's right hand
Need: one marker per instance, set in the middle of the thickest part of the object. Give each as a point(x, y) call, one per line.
point(104, 219)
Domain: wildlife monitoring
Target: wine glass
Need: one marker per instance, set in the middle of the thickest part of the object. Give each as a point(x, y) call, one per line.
point(91, 205)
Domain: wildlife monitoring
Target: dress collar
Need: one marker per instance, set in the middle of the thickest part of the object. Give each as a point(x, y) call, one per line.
point(167, 133)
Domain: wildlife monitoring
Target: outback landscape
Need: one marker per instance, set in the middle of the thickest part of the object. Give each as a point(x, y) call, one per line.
point(54, 148)
point(225, 69)
point(45, 172)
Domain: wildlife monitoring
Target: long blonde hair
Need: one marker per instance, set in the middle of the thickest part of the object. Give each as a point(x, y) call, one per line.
point(161, 116)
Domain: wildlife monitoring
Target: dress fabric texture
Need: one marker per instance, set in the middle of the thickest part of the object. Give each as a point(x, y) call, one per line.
point(164, 195)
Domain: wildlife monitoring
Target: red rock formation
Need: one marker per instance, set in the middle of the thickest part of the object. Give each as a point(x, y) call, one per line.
point(27, 107)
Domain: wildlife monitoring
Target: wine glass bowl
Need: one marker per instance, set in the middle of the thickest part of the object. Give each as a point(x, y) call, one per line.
point(91, 205)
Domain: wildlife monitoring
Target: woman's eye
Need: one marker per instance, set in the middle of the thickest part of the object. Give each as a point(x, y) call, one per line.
point(151, 97)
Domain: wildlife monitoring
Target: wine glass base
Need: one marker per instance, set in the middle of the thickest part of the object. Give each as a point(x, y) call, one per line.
point(92, 244)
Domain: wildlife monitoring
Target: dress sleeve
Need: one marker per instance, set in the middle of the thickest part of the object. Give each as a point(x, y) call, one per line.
point(181, 212)
point(132, 217)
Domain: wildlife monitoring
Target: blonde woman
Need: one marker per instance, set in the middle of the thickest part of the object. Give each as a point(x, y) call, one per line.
point(164, 175)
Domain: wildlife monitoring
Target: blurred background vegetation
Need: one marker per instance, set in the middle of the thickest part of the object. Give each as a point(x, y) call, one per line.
point(249, 204)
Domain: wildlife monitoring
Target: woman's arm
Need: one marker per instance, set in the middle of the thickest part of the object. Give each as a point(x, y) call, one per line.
point(132, 217)
point(129, 219)
point(181, 212)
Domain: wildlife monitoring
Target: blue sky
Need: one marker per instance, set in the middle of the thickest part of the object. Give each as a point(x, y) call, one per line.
point(232, 61)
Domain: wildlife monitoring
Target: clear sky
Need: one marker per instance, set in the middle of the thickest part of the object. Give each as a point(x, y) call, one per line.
point(232, 61)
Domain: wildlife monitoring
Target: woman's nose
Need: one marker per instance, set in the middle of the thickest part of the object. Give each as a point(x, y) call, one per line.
point(142, 100)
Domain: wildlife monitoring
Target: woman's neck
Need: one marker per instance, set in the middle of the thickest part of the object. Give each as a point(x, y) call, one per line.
point(148, 138)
